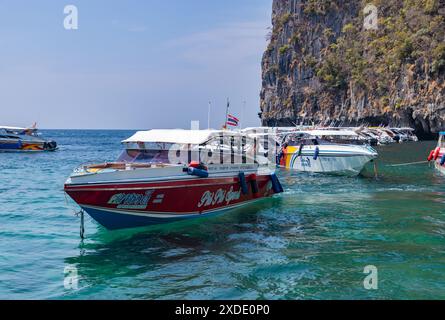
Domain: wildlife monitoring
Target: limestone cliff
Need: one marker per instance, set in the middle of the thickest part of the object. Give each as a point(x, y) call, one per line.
point(323, 65)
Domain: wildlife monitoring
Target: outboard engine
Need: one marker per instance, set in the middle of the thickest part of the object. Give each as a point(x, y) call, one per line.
point(50, 146)
point(373, 142)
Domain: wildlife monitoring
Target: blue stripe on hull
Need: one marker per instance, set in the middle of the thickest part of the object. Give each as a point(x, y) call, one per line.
point(114, 221)
point(10, 146)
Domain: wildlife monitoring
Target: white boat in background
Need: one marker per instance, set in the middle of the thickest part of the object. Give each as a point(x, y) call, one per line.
point(306, 153)
point(16, 139)
point(350, 135)
point(405, 134)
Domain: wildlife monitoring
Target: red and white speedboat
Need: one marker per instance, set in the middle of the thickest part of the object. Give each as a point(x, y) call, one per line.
point(438, 155)
point(165, 176)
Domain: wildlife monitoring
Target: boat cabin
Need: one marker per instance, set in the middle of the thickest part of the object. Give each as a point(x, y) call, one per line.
point(184, 146)
point(15, 132)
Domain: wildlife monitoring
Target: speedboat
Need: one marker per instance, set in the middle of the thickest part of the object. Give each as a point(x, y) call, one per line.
point(405, 134)
point(165, 176)
point(15, 139)
point(438, 155)
point(307, 153)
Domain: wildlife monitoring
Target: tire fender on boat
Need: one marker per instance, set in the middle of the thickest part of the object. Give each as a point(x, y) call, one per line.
point(276, 185)
point(243, 183)
point(316, 153)
point(300, 150)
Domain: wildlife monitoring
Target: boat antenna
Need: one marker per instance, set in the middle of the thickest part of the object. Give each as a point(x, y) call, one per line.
point(227, 113)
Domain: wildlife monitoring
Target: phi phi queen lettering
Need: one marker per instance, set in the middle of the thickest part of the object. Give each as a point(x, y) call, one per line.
point(219, 197)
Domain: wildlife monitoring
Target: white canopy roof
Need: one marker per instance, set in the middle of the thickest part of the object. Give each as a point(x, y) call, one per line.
point(12, 128)
point(322, 133)
point(178, 136)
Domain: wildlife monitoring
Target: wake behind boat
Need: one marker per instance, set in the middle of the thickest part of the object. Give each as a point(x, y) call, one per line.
point(16, 139)
point(165, 176)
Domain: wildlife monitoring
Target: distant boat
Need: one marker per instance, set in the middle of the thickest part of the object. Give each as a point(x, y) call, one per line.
point(350, 135)
point(151, 183)
point(438, 155)
point(16, 139)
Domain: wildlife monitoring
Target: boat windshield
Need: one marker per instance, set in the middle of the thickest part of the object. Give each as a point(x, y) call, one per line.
point(143, 156)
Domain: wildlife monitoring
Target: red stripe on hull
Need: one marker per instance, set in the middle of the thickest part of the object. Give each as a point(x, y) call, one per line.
point(180, 197)
point(158, 184)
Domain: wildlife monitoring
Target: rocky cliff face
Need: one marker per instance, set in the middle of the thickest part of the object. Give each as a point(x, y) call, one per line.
point(322, 65)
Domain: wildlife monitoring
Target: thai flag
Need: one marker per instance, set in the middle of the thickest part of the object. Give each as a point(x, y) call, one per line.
point(232, 120)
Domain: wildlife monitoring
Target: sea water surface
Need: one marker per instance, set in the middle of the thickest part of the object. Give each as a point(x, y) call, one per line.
point(312, 242)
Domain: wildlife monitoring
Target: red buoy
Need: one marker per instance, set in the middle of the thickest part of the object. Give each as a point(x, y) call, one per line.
point(431, 156)
point(436, 153)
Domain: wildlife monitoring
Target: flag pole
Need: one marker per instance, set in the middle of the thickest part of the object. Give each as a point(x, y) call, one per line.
point(227, 113)
point(208, 116)
point(242, 115)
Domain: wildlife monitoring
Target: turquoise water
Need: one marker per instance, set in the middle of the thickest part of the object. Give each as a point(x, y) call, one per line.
point(312, 242)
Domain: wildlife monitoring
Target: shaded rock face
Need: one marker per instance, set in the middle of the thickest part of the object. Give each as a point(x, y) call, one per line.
point(323, 66)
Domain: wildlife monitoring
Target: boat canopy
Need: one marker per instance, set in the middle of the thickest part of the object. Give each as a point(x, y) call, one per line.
point(178, 136)
point(321, 133)
point(13, 128)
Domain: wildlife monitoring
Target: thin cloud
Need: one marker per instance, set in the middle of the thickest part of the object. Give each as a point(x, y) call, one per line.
point(129, 27)
point(232, 43)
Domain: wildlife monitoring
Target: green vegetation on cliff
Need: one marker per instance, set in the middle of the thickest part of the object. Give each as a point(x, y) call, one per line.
point(409, 30)
point(322, 63)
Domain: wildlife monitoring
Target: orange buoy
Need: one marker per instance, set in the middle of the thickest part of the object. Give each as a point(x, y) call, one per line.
point(197, 165)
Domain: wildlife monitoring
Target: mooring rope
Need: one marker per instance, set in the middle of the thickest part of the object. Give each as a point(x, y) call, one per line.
point(406, 164)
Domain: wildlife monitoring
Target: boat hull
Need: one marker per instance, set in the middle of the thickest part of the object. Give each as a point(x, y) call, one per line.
point(331, 162)
point(21, 146)
point(142, 204)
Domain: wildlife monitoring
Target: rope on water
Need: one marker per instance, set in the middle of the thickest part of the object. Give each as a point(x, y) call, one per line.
point(82, 225)
point(406, 164)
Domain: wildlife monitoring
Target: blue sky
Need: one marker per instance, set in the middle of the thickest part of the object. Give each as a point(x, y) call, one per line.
point(131, 64)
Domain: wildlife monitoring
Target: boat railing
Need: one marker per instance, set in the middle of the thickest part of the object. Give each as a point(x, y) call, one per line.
point(119, 166)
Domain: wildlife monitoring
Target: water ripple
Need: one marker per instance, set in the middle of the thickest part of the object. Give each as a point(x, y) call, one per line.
point(312, 242)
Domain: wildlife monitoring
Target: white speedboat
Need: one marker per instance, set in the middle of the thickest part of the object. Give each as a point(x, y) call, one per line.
point(404, 134)
point(165, 176)
point(15, 139)
point(306, 153)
